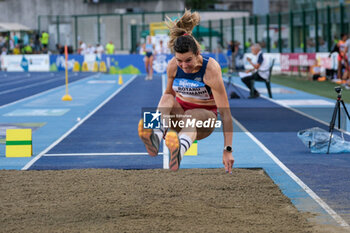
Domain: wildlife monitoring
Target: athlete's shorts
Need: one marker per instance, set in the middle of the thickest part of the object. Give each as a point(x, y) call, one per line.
point(342, 57)
point(187, 106)
point(149, 54)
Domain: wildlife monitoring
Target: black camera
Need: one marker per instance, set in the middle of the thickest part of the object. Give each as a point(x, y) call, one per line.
point(337, 89)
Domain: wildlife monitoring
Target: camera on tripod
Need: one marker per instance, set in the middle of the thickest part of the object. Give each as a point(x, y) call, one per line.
point(336, 112)
point(337, 89)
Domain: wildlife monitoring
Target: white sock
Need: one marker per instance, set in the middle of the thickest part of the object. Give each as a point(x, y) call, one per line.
point(185, 144)
point(159, 134)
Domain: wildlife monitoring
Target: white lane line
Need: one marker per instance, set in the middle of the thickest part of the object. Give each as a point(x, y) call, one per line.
point(25, 79)
point(309, 191)
point(97, 154)
point(30, 163)
point(44, 92)
point(165, 148)
point(31, 85)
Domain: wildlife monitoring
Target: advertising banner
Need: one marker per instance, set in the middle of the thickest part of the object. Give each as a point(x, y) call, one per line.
point(291, 62)
point(36, 62)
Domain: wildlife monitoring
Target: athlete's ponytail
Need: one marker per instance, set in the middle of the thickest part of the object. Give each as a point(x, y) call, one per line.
point(181, 39)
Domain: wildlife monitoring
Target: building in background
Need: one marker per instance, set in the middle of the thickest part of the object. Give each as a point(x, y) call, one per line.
point(311, 4)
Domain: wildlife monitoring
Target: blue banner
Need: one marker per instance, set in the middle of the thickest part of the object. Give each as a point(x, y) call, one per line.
point(124, 64)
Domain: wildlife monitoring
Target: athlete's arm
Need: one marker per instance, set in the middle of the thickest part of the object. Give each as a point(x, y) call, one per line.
point(213, 79)
point(171, 72)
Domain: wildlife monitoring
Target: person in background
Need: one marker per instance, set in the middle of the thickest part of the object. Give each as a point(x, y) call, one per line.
point(110, 48)
point(260, 70)
point(99, 49)
point(90, 49)
point(148, 47)
point(28, 49)
point(15, 40)
point(162, 49)
point(16, 50)
point(82, 48)
point(45, 41)
point(60, 49)
point(343, 66)
point(37, 46)
point(229, 54)
point(2, 55)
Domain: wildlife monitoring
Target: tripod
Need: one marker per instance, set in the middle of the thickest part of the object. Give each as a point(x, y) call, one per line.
point(336, 112)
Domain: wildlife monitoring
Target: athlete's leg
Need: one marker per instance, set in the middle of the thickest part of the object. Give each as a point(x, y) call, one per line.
point(178, 144)
point(147, 67)
point(151, 67)
point(168, 106)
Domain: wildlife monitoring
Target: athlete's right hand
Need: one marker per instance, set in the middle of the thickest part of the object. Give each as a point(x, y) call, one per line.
point(228, 160)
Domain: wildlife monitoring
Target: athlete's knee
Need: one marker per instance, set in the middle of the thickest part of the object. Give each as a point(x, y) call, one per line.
point(167, 98)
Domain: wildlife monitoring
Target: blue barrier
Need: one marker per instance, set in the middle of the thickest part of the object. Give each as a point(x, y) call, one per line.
point(125, 64)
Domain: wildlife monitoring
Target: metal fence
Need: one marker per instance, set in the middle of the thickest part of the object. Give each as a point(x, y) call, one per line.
point(295, 31)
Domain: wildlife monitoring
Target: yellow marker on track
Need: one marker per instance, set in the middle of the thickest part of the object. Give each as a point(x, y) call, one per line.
point(19, 143)
point(193, 151)
point(120, 80)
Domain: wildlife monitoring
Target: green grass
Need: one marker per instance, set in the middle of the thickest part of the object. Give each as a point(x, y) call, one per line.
point(325, 89)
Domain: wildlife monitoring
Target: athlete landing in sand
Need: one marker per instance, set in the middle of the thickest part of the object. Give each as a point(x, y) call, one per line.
point(195, 91)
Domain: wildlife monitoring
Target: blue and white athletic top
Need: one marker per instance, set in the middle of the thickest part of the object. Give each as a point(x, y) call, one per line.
point(192, 84)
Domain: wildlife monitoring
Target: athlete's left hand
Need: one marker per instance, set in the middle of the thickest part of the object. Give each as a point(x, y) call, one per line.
point(228, 160)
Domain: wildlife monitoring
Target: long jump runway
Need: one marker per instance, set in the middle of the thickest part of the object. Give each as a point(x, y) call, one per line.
point(109, 139)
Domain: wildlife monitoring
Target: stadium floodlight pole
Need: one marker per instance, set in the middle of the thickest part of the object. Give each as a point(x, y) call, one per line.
point(233, 29)
point(66, 97)
point(279, 33)
point(99, 29)
point(304, 30)
point(222, 33)
point(58, 28)
point(268, 32)
point(329, 29)
point(143, 21)
point(291, 31)
point(39, 17)
point(316, 30)
point(341, 6)
point(76, 31)
point(210, 36)
point(121, 32)
point(256, 28)
point(244, 47)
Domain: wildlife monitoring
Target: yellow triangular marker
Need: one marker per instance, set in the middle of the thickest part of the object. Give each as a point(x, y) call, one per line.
point(103, 67)
point(193, 151)
point(85, 67)
point(95, 68)
point(120, 80)
point(76, 67)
